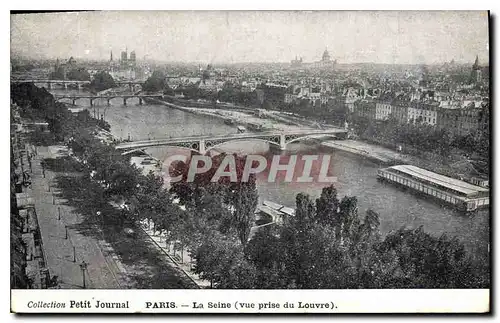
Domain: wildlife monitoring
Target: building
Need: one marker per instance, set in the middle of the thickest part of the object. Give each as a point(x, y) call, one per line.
point(383, 110)
point(296, 62)
point(125, 68)
point(125, 60)
point(463, 120)
point(326, 61)
point(351, 95)
point(400, 110)
point(290, 98)
point(365, 108)
point(423, 112)
point(476, 76)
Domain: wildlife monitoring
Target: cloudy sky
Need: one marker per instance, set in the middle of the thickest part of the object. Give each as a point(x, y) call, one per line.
point(252, 36)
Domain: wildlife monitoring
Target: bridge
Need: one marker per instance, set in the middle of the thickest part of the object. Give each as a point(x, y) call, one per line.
point(49, 82)
point(108, 97)
point(202, 144)
point(73, 82)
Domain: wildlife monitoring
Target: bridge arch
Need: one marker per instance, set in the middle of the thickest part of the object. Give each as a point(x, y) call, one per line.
point(212, 144)
point(292, 139)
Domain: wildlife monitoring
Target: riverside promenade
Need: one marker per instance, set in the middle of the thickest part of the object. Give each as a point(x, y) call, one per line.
point(113, 259)
point(64, 242)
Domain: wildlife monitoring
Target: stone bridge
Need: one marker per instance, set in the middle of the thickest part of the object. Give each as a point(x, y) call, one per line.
point(50, 82)
point(107, 97)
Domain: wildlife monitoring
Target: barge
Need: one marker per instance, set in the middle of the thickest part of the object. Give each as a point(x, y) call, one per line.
point(465, 196)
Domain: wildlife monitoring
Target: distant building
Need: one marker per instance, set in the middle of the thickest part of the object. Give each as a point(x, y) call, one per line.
point(383, 110)
point(476, 74)
point(296, 62)
point(61, 69)
point(325, 63)
point(365, 108)
point(400, 110)
point(125, 68)
point(423, 112)
point(462, 120)
point(125, 61)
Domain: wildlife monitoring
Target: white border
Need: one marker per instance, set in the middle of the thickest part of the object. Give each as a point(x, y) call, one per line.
point(253, 301)
point(204, 5)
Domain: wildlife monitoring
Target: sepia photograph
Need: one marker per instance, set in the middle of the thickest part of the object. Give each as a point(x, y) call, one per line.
point(283, 151)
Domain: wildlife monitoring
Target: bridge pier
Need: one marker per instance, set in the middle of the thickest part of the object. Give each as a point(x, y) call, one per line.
point(65, 85)
point(282, 142)
point(79, 86)
point(341, 136)
point(201, 147)
point(74, 101)
point(109, 104)
point(140, 101)
point(125, 101)
point(49, 85)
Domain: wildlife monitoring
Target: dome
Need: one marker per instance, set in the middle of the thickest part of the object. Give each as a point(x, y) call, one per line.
point(326, 56)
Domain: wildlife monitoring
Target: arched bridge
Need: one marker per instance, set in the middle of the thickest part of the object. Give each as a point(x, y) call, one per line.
point(108, 97)
point(202, 144)
point(50, 82)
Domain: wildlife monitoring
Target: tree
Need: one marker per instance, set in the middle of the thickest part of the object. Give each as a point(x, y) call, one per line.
point(239, 198)
point(78, 74)
point(155, 83)
point(102, 81)
point(57, 74)
point(220, 259)
point(425, 261)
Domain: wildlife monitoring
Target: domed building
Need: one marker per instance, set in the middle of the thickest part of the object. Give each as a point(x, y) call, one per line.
point(326, 61)
point(326, 56)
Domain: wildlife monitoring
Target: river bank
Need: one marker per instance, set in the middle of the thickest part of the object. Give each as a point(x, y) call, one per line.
point(267, 122)
point(458, 169)
point(370, 151)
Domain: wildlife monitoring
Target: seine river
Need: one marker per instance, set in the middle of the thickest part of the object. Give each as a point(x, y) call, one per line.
point(355, 176)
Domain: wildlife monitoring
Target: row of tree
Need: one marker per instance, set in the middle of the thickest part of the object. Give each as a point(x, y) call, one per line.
point(423, 137)
point(327, 244)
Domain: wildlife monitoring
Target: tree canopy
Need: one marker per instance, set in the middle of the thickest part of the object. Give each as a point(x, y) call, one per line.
point(102, 81)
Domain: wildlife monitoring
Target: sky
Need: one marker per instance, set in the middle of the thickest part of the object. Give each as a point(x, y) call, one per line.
point(393, 37)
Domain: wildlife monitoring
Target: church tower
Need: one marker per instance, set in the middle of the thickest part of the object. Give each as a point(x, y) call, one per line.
point(476, 71)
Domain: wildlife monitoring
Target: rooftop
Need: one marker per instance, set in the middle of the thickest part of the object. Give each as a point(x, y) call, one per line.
point(448, 182)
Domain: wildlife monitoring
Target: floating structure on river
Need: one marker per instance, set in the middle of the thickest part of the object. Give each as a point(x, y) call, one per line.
point(463, 195)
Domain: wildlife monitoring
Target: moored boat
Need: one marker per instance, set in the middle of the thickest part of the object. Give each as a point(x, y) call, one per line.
point(463, 195)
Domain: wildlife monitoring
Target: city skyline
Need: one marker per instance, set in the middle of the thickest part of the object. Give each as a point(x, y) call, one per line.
point(385, 37)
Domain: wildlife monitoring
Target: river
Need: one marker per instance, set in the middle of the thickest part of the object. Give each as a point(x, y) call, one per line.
point(355, 176)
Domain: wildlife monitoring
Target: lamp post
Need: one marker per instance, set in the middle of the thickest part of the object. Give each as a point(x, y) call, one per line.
point(83, 267)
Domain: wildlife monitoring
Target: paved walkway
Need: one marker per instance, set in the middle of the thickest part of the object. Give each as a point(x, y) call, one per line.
point(62, 260)
point(181, 259)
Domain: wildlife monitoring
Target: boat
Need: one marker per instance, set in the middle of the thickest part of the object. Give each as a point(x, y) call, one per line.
point(465, 196)
point(255, 127)
point(229, 121)
point(241, 129)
